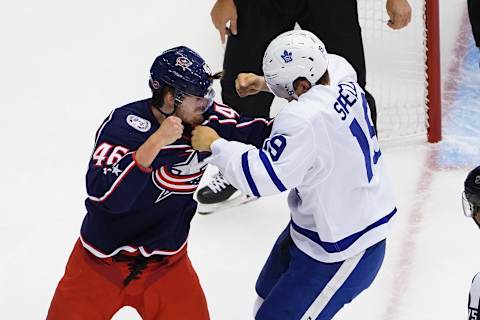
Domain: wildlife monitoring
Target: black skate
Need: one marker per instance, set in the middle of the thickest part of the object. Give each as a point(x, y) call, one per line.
point(219, 195)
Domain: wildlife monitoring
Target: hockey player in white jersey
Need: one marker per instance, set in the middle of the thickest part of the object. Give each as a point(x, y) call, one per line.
point(471, 209)
point(323, 148)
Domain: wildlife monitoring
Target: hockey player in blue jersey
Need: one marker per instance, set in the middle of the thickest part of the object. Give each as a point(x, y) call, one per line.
point(471, 209)
point(323, 148)
point(141, 178)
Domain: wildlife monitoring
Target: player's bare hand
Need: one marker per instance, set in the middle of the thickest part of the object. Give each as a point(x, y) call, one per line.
point(203, 137)
point(224, 18)
point(248, 84)
point(170, 130)
point(400, 13)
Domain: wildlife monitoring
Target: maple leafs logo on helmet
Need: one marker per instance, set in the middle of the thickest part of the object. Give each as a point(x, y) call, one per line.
point(287, 56)
point(281, 70)
point(183, 62)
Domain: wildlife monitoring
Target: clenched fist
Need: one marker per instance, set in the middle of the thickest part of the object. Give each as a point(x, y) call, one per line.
point(203, 137)
point(400, 13)
point(170, 130)
point(248, 84)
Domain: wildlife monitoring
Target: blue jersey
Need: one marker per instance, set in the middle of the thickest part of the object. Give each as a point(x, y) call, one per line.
point(132, 208)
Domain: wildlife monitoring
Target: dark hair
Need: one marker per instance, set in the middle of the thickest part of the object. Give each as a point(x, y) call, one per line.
point(158, 94)
point(324, 79)
point(216, 75)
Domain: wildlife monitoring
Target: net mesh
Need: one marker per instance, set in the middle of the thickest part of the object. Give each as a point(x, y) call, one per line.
point(396, 70)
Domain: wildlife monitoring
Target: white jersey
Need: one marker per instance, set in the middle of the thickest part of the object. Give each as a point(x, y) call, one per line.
point(474, 298)
point(323, 148)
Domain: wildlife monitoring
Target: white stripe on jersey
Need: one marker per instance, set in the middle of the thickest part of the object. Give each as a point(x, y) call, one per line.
point(110, 116)
point(116, 183)
point(130, 249)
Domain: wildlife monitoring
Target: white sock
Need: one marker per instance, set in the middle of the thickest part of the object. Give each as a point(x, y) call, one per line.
point(256, 305)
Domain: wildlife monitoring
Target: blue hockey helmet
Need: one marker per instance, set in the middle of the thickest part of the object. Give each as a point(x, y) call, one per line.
point(471, 195)
point(184, 70)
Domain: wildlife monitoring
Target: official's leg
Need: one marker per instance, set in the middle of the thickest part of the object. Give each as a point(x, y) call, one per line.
point(259, 21)
point(336, 24)
point(474, 15)
point(373, 107)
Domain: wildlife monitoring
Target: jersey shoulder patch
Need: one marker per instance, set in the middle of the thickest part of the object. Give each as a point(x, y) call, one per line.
point(138, 123)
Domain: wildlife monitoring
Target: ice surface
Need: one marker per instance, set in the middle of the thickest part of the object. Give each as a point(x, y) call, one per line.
point(65, 65)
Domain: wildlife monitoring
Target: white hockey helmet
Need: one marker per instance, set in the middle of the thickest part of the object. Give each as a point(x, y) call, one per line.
point(291, 55)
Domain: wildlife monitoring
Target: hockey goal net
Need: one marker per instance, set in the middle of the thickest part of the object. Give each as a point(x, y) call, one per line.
point(403, 70)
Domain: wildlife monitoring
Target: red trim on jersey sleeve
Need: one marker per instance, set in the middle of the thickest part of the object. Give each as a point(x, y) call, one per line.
point(139, 166)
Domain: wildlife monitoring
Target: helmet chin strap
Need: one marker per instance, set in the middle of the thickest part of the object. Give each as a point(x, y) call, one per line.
point(176, 102)
point(165, 114)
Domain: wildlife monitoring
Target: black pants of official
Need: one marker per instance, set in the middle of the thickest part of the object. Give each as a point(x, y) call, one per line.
point(474, 14)
point(260, 21)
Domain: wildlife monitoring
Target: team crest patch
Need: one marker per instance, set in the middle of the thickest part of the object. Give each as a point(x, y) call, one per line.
point(183, 62)
point(181, 178)
point(287, 56)
point(138, 123)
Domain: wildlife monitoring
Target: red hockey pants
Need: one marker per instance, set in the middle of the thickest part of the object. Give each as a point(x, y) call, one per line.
point(94, 288)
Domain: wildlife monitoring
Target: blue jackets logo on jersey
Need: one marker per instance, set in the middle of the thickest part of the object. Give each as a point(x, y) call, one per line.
point(182, 178)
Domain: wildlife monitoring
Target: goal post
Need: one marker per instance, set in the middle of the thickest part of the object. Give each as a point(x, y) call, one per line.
point(434, 98)
point(403, 70)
